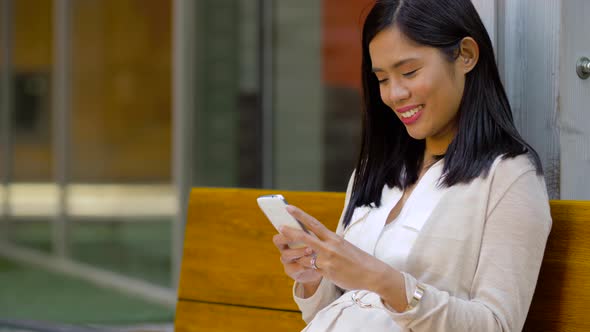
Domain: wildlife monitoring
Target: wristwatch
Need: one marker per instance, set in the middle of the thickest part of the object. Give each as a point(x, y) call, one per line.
point(418, 293)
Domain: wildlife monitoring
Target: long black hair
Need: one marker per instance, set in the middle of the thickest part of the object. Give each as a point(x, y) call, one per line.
point(486, 130)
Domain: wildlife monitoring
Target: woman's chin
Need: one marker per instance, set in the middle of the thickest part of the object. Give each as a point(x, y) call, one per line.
point(416, 134)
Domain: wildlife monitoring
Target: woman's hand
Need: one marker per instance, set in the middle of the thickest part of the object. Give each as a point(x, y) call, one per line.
point(341, 262)
point(291, 261)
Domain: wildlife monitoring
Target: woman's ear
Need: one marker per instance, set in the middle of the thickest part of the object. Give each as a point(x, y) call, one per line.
point(468, 54)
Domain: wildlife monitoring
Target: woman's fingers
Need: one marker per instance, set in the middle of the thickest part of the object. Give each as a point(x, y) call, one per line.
point(311, 223)
point(280, 241)
point(289, 255)
point(292, 255)
point(297, 236)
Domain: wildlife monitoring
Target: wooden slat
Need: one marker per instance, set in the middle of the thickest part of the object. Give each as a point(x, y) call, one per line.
point(228, 254)
point(193, 317)
point(563, 290)
point(229, 259)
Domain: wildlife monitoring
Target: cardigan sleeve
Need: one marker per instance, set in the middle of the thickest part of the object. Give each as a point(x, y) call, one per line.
point(512, 248)
point(327, 292)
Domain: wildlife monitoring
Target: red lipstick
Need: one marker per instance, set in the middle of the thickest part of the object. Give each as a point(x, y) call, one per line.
point(414, 117)
point(405, 108)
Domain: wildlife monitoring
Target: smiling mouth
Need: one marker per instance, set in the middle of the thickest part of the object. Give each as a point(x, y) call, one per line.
point(412, 112)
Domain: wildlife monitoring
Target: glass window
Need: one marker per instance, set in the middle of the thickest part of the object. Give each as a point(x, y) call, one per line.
point(120, 197)
point(315, 88)
point(32, 196)
point(228, 121)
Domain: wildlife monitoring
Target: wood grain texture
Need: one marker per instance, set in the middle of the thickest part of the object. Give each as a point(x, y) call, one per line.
point(561, 299)
point(204, 317)
point(232, 279)
point(228, 254)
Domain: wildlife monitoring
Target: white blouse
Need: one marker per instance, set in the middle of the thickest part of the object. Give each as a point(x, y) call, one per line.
point(390, 243)
point(478, 256)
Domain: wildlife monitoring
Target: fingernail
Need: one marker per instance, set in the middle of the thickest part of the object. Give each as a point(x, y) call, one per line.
point(290, 208)
point(309, 251)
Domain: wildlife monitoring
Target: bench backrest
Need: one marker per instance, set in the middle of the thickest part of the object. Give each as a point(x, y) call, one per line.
point(562, 298)
point(232, 279)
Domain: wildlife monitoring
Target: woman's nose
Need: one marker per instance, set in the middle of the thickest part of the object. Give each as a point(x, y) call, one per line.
point(398, 93)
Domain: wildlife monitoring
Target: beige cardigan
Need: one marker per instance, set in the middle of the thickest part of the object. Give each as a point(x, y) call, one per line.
point(479, 255)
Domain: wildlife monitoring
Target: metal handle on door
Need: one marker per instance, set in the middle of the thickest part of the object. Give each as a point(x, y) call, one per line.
point(583, 67)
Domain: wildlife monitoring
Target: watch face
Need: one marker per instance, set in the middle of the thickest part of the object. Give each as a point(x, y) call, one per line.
point(418, 293)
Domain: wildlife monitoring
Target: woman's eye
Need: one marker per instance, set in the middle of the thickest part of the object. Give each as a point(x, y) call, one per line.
point(381, 81)
point(410, 73)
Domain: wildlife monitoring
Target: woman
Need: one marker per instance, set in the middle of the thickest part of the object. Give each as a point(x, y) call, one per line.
point(446, 217)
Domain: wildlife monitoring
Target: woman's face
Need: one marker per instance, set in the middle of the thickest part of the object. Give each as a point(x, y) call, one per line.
point(419, 84)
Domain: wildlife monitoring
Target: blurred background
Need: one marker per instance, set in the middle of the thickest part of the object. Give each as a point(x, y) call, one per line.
point(112, 109)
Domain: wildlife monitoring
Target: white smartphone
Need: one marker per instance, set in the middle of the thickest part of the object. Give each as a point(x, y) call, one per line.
point(274, 207)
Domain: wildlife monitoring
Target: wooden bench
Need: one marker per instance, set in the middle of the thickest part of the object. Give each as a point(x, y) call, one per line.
point(232, 279)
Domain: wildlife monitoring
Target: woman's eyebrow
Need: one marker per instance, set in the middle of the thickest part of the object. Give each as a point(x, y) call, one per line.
point(395, 65)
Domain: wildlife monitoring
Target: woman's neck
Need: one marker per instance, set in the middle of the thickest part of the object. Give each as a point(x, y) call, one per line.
point(437, 144)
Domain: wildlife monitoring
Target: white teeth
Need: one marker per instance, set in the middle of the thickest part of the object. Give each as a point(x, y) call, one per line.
point(411, 112)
